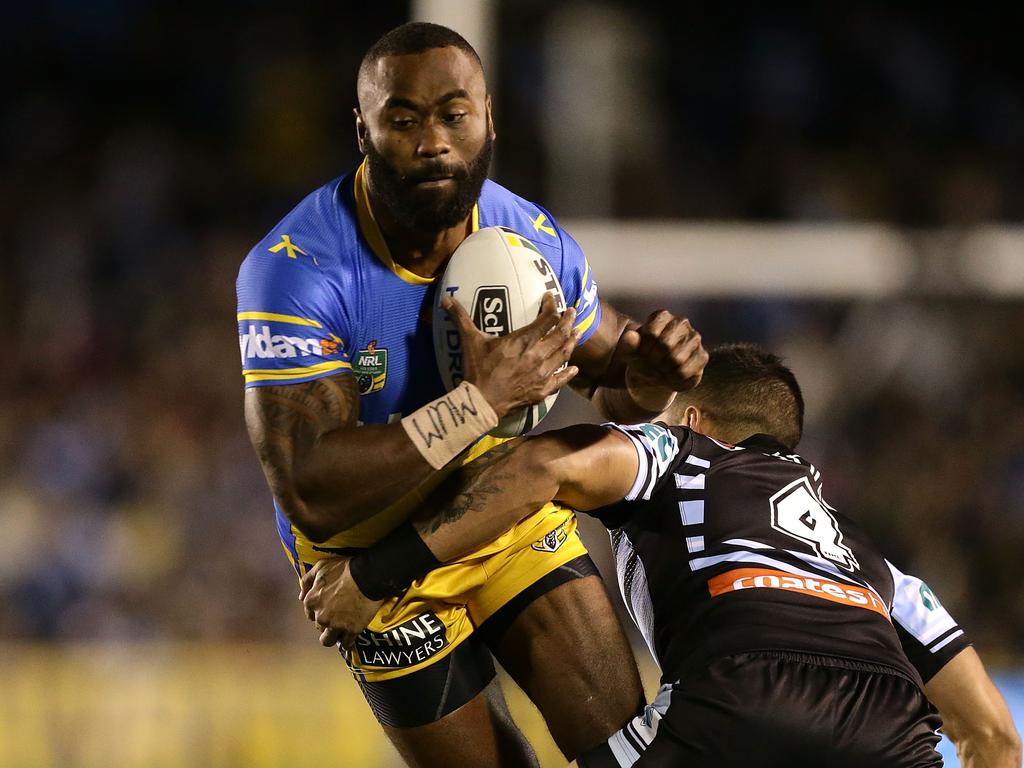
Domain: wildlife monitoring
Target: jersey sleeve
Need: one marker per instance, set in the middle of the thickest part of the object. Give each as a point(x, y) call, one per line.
point(656, 448)
point(577, 281)
point(929, 635)
point(292, 326)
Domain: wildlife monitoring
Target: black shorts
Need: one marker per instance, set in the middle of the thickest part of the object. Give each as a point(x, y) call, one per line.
point(427, 695)
point(781, 710)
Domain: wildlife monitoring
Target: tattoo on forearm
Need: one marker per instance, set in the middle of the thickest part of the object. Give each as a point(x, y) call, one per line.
point(471, 488)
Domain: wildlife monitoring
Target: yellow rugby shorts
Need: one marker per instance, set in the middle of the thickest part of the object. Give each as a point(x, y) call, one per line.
point(440, 611)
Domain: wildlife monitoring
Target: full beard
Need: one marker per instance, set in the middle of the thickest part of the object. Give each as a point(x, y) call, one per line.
point(429, 210)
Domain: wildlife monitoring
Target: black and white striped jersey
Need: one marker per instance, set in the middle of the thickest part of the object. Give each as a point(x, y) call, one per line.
point(724, 549)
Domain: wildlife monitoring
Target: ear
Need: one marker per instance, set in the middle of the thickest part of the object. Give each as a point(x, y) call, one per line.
point(361, 132)
point(692, 418)
point(490, 118)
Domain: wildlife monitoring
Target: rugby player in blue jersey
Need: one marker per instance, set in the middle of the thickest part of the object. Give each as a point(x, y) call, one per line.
point(353, 427)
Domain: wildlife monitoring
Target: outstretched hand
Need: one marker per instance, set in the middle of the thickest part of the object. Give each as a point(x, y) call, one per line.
point(523, 367)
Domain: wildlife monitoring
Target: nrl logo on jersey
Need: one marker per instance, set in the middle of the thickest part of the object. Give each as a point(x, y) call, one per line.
point(552, 541)
point(371, 368)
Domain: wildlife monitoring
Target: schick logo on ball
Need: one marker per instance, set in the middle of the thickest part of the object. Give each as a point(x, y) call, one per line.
point(490, 310)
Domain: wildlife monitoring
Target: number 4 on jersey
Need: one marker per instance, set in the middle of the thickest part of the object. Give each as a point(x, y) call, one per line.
point(798, 512)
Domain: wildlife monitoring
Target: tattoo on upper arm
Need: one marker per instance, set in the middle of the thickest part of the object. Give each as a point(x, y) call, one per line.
point(285, 419)
point(470, 488)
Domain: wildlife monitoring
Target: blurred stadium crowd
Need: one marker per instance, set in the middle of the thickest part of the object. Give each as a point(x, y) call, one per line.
point(146, 145)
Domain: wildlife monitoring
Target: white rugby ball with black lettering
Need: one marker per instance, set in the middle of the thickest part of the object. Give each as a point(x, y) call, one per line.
point(500, 278)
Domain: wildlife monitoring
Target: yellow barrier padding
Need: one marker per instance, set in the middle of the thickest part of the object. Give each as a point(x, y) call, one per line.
point(195, 705)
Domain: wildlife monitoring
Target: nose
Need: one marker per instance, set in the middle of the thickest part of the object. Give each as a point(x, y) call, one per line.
point(433, 140)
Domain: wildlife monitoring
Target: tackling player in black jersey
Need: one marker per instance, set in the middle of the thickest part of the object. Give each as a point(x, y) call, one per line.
point(783, 635)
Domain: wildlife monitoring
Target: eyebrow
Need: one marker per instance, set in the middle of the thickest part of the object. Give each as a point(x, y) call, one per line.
point(404, 103)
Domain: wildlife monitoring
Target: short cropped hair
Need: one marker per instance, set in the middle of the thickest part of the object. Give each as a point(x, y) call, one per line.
point(747, 390)
point(415, 37)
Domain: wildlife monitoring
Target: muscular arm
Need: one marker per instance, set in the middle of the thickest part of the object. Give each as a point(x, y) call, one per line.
point(601, 362)
point(584, 467)
point(322, 468)
point(328, 474)
point(974, 713)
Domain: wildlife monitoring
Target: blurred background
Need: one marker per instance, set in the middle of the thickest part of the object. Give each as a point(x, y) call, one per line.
point(843, 184)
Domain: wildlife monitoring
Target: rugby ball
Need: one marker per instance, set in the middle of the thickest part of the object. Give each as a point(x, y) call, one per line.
point(500, 278)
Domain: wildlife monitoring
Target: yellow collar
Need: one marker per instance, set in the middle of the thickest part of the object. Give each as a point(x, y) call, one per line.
point(371, 231)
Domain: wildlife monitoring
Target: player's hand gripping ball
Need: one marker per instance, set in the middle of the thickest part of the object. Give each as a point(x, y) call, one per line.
point(500, 322)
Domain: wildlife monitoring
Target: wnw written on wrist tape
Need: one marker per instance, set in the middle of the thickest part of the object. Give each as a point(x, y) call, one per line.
point(443, 428)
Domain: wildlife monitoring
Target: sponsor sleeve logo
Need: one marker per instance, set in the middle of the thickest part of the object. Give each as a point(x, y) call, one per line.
point(296, 352)
point(406, 645)
point(928, 598)
point(259, 342)
point(852, 595)
point(662, 445)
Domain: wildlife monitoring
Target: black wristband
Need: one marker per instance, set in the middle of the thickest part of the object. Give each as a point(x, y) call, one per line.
point(392, 564)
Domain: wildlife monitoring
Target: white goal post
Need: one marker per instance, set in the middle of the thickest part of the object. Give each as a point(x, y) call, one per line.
point(837, 261)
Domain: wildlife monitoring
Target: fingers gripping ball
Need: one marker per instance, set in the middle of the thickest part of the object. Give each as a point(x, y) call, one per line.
point(500, 278)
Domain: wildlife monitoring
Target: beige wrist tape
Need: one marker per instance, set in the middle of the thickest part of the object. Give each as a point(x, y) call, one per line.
point(442, 429)
point(650, 397)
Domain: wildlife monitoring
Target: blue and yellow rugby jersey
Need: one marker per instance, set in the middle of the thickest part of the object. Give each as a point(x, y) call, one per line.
point(321, 295)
